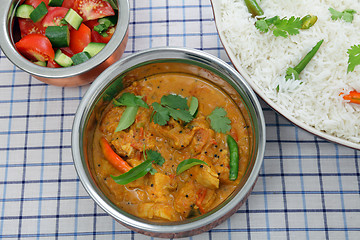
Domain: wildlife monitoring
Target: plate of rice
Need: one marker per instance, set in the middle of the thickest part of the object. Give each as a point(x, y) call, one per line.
point(315, 100)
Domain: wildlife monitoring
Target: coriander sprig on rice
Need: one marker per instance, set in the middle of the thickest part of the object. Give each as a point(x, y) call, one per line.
point(283, 26)
point(347, 15)
point(354, 57)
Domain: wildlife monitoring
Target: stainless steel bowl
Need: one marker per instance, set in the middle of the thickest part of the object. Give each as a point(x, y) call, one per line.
point(147, 63)
point(70, 76)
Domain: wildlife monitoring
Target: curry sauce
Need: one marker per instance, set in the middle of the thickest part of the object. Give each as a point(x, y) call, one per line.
point(165, 195)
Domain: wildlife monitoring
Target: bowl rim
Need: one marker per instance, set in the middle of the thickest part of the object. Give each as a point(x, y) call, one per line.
point(6, 45)
point(216, 6)
point(95, 90)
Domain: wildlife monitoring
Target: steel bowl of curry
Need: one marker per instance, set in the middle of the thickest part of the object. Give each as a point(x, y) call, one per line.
point(169, 141)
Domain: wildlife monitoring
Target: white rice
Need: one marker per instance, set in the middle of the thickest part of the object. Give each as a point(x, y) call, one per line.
point(265, 58)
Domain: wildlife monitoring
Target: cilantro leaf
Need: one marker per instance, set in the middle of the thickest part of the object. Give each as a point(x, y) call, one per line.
point(155, 157)
point(219, 121)
point(280, 27)
point(174, 101)
point(284, 27)
point(354, 57)
point(347, 15)
point(335, 15)
point(262, 25)
point(173, 106)
point(130, 100)
point(180, 114)
point(161, 114)
point(272, 20)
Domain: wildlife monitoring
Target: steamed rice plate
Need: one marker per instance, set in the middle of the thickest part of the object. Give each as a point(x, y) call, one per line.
point(265, 58)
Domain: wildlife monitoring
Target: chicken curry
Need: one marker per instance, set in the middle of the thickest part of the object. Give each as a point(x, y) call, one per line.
point(171, 147)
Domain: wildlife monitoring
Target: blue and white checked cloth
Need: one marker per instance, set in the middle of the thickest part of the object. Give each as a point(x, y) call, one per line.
point(308, 188)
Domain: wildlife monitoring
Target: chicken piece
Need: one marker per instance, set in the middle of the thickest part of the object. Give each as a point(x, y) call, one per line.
point(138, 183)
point(123, 143)
point(209, 199)
point(185, 198)
point(178, 136)
point(161, 187)
point(206, 176)
point(111, 120)
point(201, 139)
point(157, 211)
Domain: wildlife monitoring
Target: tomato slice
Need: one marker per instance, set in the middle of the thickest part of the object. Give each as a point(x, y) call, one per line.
point(80, 38)
point(93, 9)
point(54, 16)
point(27, 26)
point(35, 3)
point(96, 37)
point(68, 3)
point(67, 51)
point(52, 64)
point(91, 23)
point(35, 47)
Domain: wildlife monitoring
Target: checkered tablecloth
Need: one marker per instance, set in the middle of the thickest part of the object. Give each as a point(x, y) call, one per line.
point(308, 188)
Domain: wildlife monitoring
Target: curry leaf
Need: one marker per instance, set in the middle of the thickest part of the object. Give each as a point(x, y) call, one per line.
point(136, 172)
point(188, 163)
point(194, 104)
point(142, 169)
point(127, 118)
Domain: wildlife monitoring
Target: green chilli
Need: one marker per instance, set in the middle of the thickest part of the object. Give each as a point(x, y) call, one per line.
point(254, 8)
point(234, 158)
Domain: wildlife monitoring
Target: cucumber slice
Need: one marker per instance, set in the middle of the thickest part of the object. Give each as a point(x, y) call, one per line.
point(39, 12)
point(109, 21)
point(59, 36)
point(94, 48)
point(24, 10)
point(73, 18)
point(62, 59)
point(41, 63)
point(55, 3)
point(101, 29)
point(80, 57)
